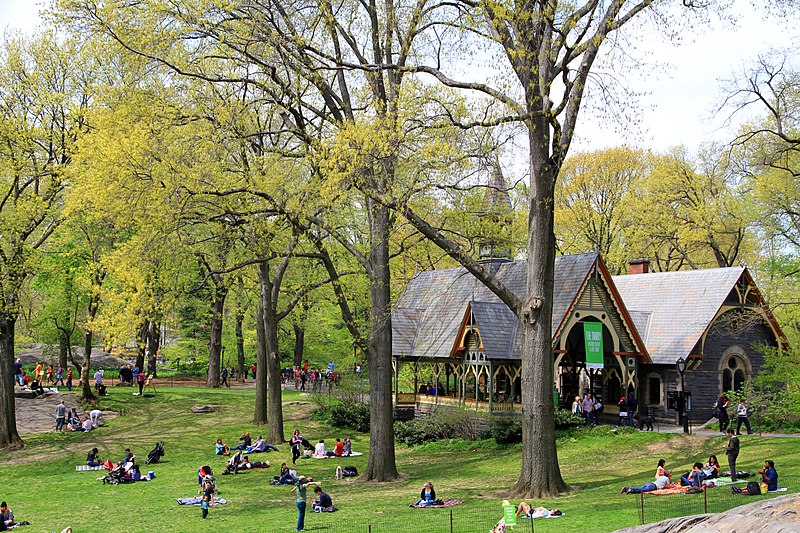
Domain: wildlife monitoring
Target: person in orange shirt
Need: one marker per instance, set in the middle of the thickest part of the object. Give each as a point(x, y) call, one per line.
point(39, 372)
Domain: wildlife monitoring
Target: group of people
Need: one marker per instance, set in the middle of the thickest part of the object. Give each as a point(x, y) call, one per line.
point(246, 444)
point(742, 418)
point(72, 420)
point(321, 503)
point(42, 375)
point(701, 472)
point(590, 408)
point(301, 375)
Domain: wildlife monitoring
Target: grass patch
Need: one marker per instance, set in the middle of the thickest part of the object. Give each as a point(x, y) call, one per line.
point(41, 485)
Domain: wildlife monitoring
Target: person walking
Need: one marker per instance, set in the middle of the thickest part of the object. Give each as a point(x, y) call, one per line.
point(741, 418)
point(300, 488)
point(141, 378)
point(69, 379)
point(60, 376)
point(18, 376)
point(732, 451)
point(632, 406)
point(722, 413)
point(224, 376)
point(61, 415)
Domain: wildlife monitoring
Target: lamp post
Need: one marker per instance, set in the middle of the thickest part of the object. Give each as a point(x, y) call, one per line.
point(681, 364)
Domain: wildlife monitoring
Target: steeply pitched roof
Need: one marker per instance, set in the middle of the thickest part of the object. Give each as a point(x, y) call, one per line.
point(672, 310)
point(443, 296)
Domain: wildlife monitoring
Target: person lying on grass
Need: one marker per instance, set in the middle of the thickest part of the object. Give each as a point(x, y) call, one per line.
point(259, 446)
point(663, 478)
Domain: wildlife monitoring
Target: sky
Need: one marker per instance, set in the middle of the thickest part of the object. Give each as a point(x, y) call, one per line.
point(676, 109)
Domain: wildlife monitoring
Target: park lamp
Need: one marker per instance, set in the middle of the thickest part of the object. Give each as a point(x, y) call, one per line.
point(681, 365)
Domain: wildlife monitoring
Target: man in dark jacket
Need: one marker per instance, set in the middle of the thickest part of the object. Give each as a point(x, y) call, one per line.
point(732, 451)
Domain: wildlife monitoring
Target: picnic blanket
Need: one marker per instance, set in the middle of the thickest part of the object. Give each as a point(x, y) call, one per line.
point(445, 503)
point(722, 482)
point(195, 500)
point(84, 468)
point(352, 454)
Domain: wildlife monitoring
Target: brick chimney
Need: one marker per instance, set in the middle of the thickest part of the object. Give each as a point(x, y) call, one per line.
point(638, 266)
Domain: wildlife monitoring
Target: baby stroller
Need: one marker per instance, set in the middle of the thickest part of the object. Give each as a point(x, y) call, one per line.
point(232, 465)
point(116, 475)
point(156, 454)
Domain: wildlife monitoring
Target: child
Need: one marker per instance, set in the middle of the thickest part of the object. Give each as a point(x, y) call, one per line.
point(208, 496)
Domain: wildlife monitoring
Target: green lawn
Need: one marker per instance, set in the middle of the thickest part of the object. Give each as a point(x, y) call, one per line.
point(42, 487)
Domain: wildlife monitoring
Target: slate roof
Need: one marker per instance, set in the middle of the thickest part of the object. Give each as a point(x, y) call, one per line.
point(442, 296)
point(672, 310)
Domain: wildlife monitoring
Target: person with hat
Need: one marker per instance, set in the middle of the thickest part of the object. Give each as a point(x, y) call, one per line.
point(300, 488)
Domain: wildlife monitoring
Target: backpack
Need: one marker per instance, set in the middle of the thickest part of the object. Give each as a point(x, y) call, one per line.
point(349, 471)
point(753, 488)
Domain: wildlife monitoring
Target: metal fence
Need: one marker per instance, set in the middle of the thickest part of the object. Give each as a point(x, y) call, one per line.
point(653, 508)
point(448, 520)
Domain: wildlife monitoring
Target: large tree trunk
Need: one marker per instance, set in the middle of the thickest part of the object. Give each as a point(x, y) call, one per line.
point(269, 362)
point(541, 475)
point(239, 348)
point(9, 438)
point(63, 349)
point(86, 377)
point(381, 465)
point(260, 414)
point(152, 344)
point(299, 343)
point(215, 343)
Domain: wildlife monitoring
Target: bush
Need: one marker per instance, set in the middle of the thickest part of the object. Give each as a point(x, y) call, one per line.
point(567, 419)
point(505, 430)
point(443, 424)
point(350, 414)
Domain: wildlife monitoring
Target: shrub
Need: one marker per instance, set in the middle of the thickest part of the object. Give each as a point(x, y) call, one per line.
point(567, 419)
point(350, 414)
point(505, 430)
point(443, 424)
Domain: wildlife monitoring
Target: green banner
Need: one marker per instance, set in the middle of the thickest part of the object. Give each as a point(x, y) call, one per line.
point(510, 514)
point(593, 337)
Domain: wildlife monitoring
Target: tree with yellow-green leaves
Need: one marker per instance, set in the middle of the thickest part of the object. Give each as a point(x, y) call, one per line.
point(42, 115)
point(354, 122)
point(693, 213)
point(595, 202)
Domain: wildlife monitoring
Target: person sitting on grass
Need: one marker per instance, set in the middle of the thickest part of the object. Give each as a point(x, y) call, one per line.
point(86, 425)
point(221, 449)
point(320, 451)
point(6, 517)
point(286, 477)
point(769, 475)
point(348, 447)
point(92, 459)
point(338, 448)
point(246, 442)
point(322, 503)
point(711, 468)
point(695, 477)
point(427, 496)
